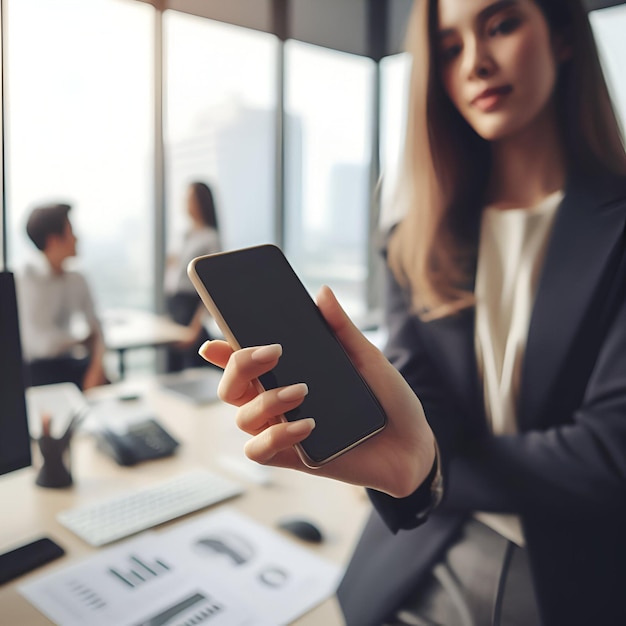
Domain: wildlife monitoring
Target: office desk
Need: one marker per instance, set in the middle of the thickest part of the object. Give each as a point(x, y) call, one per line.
point(129, 329)
point(205, 432)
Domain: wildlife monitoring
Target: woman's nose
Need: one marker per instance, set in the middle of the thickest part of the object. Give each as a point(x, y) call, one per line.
point(480, 63)
point(482, 70)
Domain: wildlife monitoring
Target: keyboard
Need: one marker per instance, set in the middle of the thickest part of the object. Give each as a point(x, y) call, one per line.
point(125, 514)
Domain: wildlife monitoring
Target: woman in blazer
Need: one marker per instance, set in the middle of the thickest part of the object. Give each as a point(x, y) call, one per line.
point(563, 473)
point(506, 311)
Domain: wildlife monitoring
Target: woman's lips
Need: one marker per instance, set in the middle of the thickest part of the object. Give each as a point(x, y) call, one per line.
point(490, 99)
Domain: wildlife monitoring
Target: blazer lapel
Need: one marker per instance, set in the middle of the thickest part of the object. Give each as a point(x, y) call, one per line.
point(451, 344)
point(588, 227)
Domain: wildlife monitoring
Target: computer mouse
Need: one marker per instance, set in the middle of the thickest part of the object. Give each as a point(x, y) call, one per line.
point(302, 529)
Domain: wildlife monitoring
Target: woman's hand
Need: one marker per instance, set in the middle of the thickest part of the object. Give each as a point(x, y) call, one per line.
point(395, 461)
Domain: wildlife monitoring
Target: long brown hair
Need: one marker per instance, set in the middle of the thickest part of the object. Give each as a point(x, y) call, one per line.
point(206, 203)
point(445, 164)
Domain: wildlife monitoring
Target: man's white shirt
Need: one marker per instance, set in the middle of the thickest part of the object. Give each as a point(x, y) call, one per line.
point(52, 307)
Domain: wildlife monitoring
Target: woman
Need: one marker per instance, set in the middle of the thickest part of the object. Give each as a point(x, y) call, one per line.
point(506, 313)
point(183, 303)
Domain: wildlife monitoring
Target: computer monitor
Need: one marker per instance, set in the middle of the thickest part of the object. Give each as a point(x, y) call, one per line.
point(15, 443)
point(14, 437)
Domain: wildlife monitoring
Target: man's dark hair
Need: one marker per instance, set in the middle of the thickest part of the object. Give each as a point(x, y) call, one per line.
point(46, 220)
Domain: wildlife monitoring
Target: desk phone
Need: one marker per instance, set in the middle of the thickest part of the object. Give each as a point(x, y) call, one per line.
point(142, 441)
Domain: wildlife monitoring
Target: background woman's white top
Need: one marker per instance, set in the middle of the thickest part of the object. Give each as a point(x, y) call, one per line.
point(197, 242)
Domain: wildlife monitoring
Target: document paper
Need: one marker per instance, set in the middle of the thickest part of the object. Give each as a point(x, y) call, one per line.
point(218, 569)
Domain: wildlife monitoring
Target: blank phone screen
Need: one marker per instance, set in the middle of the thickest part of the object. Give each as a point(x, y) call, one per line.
point(263, 302)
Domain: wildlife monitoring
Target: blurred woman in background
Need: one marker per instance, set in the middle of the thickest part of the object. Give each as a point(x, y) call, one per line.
point(183, 303)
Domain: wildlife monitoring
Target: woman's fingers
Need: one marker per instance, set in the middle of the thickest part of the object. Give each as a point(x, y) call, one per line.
point(216, 352)
point(394, 461)
point(260, 412)
point(275, 444)
point(266, 408)
point(242, 368)
point(238, 384)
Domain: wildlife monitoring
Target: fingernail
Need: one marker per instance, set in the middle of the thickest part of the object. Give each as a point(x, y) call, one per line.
point(293, 392)
point(301, 427)
point(203, 346)
point(267, 353)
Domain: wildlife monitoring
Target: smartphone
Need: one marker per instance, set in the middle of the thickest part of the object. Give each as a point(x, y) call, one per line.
point(256, 298)
point(27, 557)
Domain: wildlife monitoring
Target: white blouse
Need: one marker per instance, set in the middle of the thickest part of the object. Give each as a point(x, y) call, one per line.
point(197, 242)
point(510, 257)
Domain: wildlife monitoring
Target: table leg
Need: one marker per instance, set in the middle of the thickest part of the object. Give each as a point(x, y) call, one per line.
point(122, 365)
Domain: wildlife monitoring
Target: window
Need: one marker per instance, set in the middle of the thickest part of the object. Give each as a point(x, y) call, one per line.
point(80, 130)
point(609, 26)
point(394, 89)
point(80, 110)
point(220, 125)
point(328, 153)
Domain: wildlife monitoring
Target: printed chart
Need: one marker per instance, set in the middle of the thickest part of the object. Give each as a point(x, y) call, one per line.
point(217, 569)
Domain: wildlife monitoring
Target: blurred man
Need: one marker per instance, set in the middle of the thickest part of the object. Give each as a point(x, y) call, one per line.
point(52, 300)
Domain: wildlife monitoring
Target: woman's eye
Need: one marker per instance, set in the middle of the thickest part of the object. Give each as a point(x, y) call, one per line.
point(505, 26)
point(449, 53)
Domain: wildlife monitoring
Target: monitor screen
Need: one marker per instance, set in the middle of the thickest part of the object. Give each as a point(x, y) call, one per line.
point(14, 436)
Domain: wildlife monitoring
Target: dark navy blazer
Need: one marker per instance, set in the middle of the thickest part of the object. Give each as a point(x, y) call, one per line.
point(565, 472)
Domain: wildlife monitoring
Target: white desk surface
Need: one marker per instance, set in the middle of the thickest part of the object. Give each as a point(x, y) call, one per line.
point(205, 432)
point(125, 329)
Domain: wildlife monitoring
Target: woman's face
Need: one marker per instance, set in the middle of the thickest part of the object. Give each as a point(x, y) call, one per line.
point(498, 63)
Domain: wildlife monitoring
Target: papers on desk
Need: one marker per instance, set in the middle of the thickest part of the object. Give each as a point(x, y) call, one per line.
point(61, 401)
point(118, 415)
point(222, 568)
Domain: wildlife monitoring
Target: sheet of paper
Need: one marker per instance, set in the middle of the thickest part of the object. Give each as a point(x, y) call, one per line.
point(221, 568)
point(279, 578)
point(117, 415)
point(132, 584)
point(60, 401)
